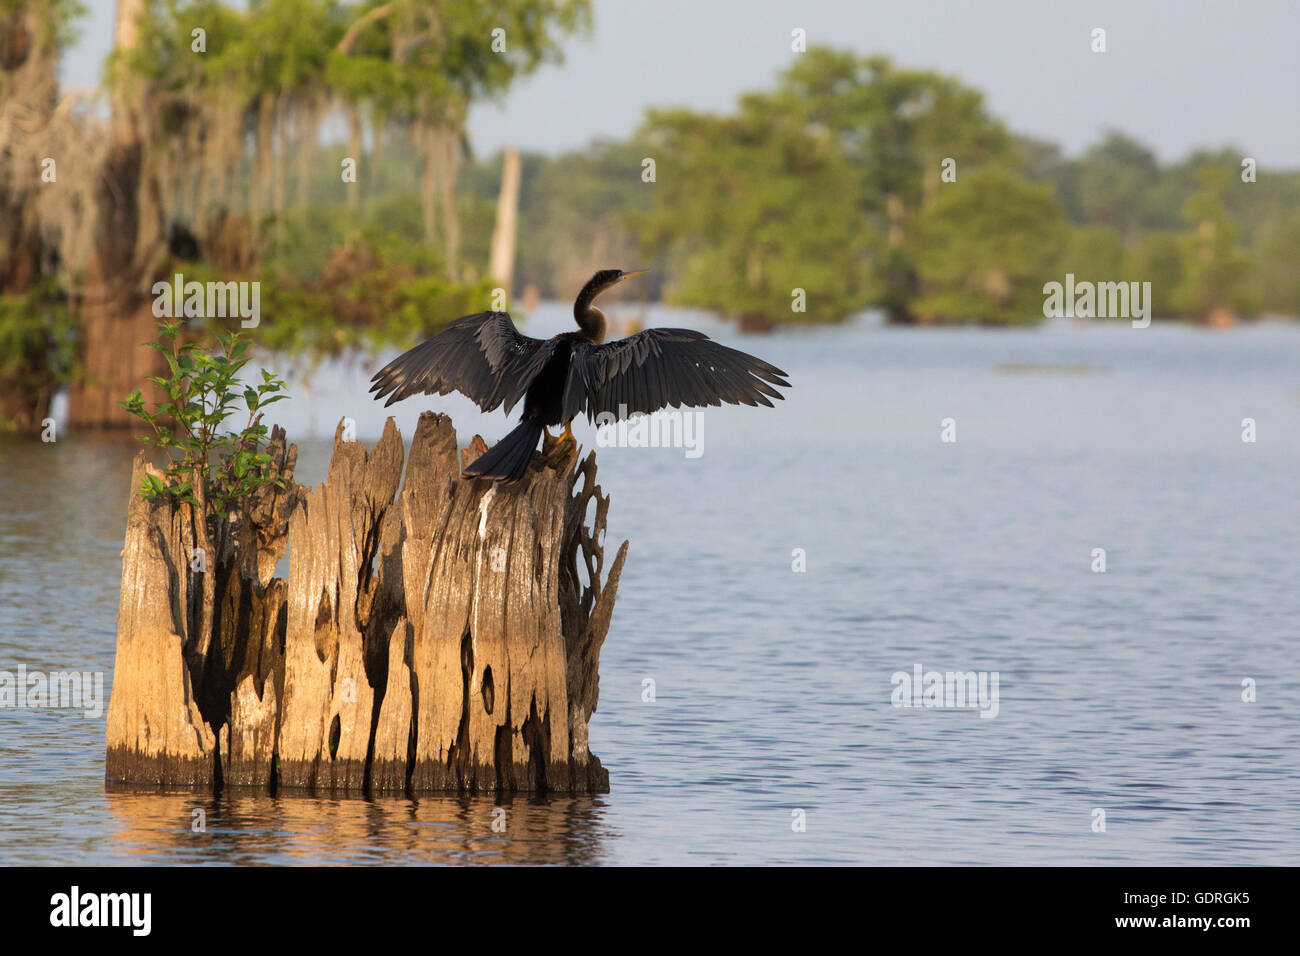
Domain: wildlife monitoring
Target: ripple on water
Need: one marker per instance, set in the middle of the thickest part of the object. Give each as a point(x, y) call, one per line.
point(1120, 691)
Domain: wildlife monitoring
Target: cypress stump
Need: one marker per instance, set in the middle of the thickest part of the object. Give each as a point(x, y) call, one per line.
point(434, 633)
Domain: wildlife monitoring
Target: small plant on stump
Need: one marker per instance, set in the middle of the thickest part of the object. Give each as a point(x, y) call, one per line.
point(211, 466)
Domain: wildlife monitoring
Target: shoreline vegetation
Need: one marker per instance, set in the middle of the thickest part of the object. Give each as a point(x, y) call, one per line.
point(847, 183)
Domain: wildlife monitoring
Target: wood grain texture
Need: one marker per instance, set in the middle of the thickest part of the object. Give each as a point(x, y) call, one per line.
point(433, 634)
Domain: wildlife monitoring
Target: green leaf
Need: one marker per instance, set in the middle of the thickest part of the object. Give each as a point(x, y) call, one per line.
point(151, 486)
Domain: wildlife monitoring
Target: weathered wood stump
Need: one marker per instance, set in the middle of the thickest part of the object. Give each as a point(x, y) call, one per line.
point(437, 638)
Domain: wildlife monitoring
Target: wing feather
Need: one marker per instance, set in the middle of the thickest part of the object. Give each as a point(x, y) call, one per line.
point(662, 367)
point(483, 356)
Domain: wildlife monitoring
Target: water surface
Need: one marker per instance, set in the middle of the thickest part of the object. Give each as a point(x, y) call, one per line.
point(1119, 691)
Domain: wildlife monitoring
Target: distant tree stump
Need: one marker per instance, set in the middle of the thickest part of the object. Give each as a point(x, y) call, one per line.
point(437, 638)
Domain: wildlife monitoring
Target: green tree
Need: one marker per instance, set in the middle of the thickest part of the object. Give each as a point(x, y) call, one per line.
point(1277, 280)
point(1115, 177)
point(1095, 253)
point(1044, 162)
point(985, 248)
point(422, 63)
point(1158, 259)
point(750, 208)
point(1215, 267)
point(896, 127)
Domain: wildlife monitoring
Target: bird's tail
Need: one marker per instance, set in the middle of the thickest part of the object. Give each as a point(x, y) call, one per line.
point(508, 459)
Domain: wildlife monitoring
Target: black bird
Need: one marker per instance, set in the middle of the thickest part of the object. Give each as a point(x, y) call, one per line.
point(484, 357)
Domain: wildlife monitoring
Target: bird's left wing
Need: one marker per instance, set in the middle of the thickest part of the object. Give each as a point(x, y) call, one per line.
point(482, 356)
point(661, 367)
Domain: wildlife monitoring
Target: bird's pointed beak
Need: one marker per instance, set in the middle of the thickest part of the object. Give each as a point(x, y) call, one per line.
point(628, 275)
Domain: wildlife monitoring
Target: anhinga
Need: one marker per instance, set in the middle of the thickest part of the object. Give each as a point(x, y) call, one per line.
point(484, 357)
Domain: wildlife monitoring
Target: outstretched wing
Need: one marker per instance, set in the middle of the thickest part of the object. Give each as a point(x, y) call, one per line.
point(482, 356)
point(661, 367)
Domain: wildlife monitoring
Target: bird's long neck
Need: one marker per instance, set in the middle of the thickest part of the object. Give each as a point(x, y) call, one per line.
point(590, 319)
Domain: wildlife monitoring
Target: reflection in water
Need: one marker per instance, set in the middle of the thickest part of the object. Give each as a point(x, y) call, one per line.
point(246, 828)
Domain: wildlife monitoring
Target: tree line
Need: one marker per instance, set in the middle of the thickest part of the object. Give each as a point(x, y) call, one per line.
point(319, 147)
point(870, 185)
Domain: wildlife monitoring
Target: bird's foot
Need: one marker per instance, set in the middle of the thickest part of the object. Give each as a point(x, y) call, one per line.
point(551, 442)
point(561, 450)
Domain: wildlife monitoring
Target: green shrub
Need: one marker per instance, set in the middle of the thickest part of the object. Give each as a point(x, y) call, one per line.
point(203, 392)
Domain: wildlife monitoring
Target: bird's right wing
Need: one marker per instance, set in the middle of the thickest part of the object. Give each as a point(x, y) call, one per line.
point(660, 367)
point(482, 356)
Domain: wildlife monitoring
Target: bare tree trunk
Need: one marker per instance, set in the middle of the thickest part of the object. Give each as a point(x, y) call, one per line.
point(439, 638)
point(194, 168)
point(28, 94)
point(355, 145)
point(116, 318)
point(262, 171)
point(894, 213)
point(226, 151)
point(501, 263)
point(280, 163)
point(169, 160)
point(423, 138)
point(450, 142)
point(308, 134)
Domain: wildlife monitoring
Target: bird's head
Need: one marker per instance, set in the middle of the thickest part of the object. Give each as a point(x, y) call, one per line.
point(605, 279)
point(590, 319)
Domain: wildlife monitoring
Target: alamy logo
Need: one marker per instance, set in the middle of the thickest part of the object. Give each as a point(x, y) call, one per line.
point(208, 300)
point(103, 909)
point(957, 689)
point(71, 690)
point(673, 428)
point(1098, 300)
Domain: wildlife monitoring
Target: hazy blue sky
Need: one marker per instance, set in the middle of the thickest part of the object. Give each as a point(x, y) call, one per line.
point(1176, 74)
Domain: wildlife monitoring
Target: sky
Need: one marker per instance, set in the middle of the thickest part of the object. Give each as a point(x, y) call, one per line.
point(1176, 74)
